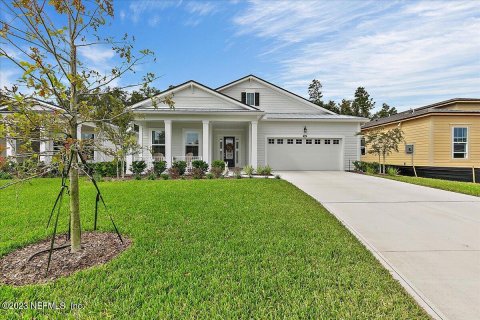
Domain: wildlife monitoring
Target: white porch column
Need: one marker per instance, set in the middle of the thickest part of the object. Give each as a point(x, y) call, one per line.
point(168, 142)
point(206, 141)
point(79, 132)
point(43, 147)
point(253, 135)
point(10, 145)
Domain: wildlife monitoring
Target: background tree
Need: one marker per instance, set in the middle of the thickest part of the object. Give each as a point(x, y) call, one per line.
point(386, 111)
point(383, 143)
point(345, 107)
point(362, 103)
point(332, 106)
point(45, 38)
point(315, 92)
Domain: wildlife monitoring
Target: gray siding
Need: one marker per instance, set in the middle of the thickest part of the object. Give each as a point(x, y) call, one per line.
point(315, 129)
point(270, 100)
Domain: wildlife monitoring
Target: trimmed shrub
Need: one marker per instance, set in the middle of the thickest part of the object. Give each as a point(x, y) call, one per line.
point(5, 175)
point(209, 176)
point(218, 164)
point(264, 171)
point(159, 167)
point(138, 167)
point(165, 176)
point(181, 166)
point(277, 176)
point(197, 173)
point(104, 169)
point(200, 164)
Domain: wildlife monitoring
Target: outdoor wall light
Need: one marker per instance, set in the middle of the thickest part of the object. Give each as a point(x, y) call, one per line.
point(305, 132)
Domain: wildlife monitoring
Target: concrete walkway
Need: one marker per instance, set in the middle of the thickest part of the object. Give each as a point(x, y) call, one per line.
point(429, 239)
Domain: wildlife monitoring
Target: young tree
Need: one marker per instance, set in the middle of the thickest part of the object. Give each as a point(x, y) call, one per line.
point(386, 111)
point(383, 143)
point(43, 39)
point(315, 92)
point(362, 104)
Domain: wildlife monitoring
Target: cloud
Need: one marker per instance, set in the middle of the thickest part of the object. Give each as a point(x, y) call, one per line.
point(402, 52)
point(122, 15)
point(8, 77)
point(140, 8)
point(201, 8)
point(154, 20)
point(96, 54)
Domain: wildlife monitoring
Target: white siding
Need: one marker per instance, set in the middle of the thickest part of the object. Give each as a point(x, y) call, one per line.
point(270, 100)
point(346, 131)
point(197, 98)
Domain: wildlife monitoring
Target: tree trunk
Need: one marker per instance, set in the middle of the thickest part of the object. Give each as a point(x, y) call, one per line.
point(383, 158)
point(75, 231)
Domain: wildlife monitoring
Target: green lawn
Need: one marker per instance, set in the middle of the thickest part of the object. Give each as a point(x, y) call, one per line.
point(210, 249)
point(455, 186)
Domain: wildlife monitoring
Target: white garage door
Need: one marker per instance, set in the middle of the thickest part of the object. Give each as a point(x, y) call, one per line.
point(304, 153)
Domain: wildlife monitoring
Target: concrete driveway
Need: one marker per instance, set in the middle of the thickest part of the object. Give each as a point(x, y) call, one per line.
point(429, 239)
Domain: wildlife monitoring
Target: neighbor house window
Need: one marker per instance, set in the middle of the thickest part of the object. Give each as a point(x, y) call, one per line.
point(88, 147)
point(158, 143)
point(336, 141)
point(289, 141)
point(192, 143)
point(362, 147)
point(460, 140)
point(318, 141)
point(298, 141)
point(279, 141)
point(271, 141)
point(308, 141)
point(327, 141)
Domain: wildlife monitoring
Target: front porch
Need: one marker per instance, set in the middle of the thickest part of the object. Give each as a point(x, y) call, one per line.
point(234, 142)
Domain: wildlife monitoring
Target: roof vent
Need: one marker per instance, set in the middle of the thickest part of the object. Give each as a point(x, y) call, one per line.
point(412, 110)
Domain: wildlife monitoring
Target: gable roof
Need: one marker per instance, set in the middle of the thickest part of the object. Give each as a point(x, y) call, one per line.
point(189, 83)
point(276, 88)
point(421, 111)
point(39, 106)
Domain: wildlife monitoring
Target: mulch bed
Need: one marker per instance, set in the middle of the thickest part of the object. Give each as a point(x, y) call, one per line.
point(97, 248)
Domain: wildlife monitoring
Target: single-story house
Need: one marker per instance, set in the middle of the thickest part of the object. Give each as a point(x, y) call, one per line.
point(249, 121)
point(441, 139)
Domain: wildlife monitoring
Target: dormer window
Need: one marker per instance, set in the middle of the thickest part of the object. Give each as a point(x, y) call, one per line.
point(251, 98)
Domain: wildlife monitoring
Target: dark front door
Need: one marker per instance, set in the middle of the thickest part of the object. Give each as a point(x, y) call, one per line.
point(229, 151)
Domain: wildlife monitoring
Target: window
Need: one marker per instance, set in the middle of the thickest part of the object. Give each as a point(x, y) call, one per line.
point(279, 141)
point(327, 141)
point(136, 128)
point(158, 143)
point(460, 140)
point(298, 141)
point(336, 141)
point(271, 141)
point(250, 98)
point(308, 141)
point(289, 141)
point(318, 141)
point(362, 147)
point(88, 147)
point(192, 143)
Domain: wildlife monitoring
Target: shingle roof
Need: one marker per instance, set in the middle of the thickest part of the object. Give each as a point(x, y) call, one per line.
point(311, 116)
point(431, 108)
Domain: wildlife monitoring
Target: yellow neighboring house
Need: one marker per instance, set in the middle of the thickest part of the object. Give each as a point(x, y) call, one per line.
point(441, 140)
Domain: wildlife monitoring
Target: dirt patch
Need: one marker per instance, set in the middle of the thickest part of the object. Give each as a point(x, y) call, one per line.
point(97, 248)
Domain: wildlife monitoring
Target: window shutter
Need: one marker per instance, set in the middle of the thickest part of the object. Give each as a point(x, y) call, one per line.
point(244, 97)
point(257, 98)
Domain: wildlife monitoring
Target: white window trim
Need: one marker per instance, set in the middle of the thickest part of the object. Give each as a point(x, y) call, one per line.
point(246, 99)
point(151, 139)
point(184, 138)
point(466, 143)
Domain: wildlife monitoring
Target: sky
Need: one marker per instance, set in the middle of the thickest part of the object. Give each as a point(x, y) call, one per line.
point(406, 53)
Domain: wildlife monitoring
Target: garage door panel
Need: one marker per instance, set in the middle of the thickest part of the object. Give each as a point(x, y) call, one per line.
point(304, 156)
